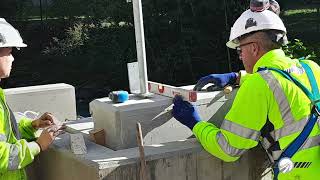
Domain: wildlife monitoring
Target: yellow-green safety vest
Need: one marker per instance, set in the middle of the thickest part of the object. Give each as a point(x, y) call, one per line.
point(15, 154)
point(271, 110)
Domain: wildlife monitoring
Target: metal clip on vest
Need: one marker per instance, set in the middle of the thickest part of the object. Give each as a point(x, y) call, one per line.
point(315, 110)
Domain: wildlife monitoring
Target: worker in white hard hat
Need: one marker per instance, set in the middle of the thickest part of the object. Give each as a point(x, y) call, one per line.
point(233, 78)
point(18, 144)
point(278, 105)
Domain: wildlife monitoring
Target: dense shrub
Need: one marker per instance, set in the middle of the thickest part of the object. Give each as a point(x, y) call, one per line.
point(297, 49)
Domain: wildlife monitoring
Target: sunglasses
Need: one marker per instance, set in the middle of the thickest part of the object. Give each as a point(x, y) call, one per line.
point(239, 51)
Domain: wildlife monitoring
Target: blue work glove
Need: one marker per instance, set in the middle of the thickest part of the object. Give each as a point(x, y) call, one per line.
point(185, 112)
point(219, 80)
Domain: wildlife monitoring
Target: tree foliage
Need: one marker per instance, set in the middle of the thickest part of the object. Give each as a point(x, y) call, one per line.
point(184, 38)
point(297, 49)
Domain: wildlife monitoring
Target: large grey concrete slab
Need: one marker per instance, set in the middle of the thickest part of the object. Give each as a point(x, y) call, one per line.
point(58, 99)
point(180, 160)
point(154, 114)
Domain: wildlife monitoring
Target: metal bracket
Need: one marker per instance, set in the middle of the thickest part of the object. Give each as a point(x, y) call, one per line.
point(315, 110)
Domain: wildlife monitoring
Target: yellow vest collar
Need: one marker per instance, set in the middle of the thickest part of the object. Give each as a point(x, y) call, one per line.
point(268, 57)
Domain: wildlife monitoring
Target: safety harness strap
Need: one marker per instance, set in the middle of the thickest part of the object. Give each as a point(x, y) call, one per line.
point(312, 79)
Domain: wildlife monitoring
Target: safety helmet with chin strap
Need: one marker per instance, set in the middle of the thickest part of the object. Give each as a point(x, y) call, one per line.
point(250, 21)
point(9, 36)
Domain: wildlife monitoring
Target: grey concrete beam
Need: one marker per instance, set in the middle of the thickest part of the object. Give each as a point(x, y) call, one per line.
point(58, 99)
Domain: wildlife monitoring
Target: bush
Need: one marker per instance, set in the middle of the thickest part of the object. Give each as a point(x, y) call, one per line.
point(296, 49)
point(76, 37)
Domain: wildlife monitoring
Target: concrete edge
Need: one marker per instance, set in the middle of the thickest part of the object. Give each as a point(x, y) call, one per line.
point(37, 88)
point(103, 158)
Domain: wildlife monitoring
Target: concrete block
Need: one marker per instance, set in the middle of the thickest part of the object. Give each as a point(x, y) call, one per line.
point(59, 99)
point(154, 114)
point(119, 120)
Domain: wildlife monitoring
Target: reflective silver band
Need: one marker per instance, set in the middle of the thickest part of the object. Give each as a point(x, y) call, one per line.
point(276, 154)
point(310, 143)
point(13, 162)
point(296, 126)
point(265, 143)
point(3, 138)
point(227, 148)
point(279, 96)
point(240, 130)
point(295, 69)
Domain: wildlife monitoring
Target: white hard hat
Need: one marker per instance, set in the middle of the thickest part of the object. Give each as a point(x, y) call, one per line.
point(250, 21)
point(9, 36)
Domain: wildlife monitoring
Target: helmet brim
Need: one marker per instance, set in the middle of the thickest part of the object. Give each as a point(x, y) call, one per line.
point(17, 45)
point(232, 44)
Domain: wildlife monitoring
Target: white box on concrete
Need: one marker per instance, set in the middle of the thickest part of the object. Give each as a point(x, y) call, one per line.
point(59, 99)
point(158, 126)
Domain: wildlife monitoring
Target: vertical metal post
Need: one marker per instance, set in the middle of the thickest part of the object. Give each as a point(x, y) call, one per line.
point(140, 44)
point(227, 29)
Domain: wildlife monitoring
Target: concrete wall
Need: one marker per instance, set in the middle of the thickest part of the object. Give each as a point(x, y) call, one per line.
point(181, 160)
point(58, 99)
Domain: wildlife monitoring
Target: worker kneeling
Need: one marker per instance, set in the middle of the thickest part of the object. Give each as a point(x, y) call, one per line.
point(277, 104)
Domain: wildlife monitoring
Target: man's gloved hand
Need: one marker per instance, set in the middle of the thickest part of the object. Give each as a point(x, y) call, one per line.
point(219, 80)
point(185, 112)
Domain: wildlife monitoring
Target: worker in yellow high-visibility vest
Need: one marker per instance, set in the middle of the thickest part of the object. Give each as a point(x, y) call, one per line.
point(268, 108)
point(18, 145)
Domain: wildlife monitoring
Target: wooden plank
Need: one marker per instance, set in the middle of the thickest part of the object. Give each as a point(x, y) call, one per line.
point(143, 165)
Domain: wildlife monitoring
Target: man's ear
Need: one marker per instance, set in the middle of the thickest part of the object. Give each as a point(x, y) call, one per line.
point(255, 49)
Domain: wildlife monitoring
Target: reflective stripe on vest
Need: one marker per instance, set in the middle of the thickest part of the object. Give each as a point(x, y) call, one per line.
point(279, 96)
point(296, 126)
point(227, 148)
point(13, 162)
point(6, 118)
point(240, 130)
point(310, 143)
point(3, 138)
